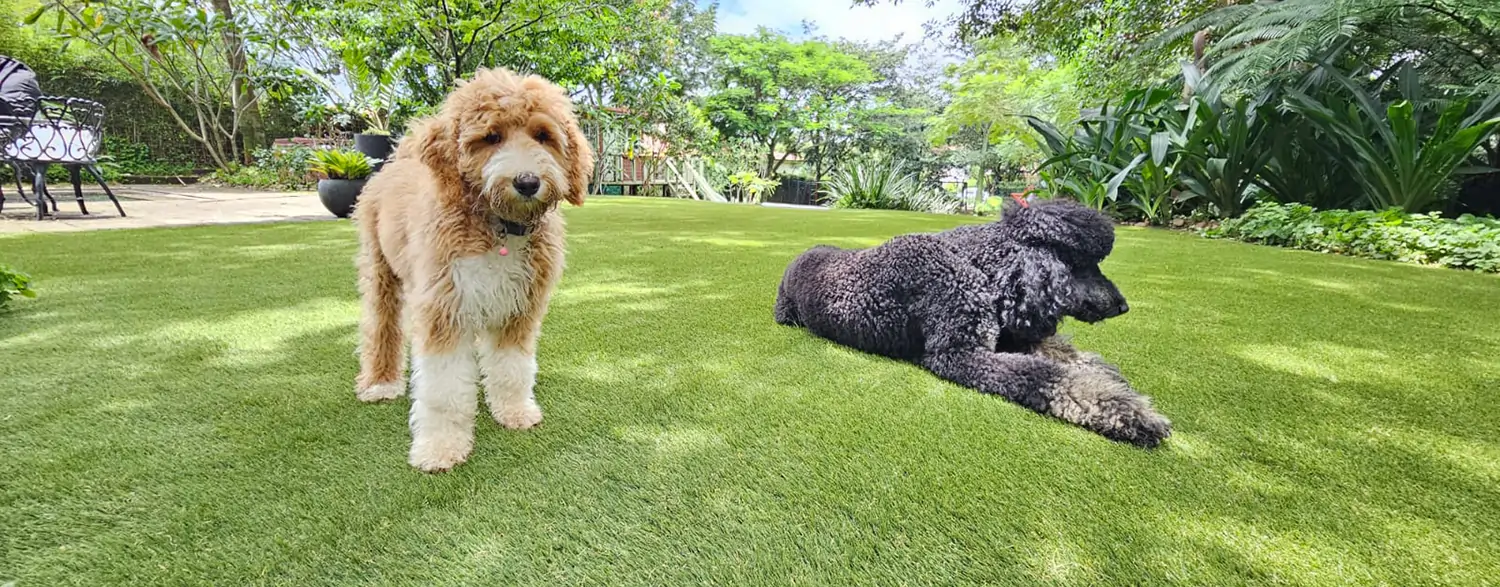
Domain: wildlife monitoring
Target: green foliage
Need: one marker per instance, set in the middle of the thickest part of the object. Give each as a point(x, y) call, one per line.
point(371, 94)
point(14, 283)
point(1321, 149)
point(747, 186)
point(198, 62)
point(885, 184)
point(288, 164)
point(1127, 143)
point(1223, 153)
point(1302, 169)
point(992, 92)
point(340, 164)
point(123, 157)
point(280, 167)
point(1399, 159)
point(1456, 41)
point(246, 176)
point(1467, 242)
point(776, 94)
point(1105, 40)
point(425, 46)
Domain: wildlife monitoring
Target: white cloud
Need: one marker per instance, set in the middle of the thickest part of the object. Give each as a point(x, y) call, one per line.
point(835, 18)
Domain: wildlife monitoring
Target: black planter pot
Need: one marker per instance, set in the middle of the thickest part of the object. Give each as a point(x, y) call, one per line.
point(340, 195)
point(375, 147)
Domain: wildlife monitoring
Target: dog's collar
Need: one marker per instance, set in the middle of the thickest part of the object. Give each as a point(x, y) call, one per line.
point(503, 226)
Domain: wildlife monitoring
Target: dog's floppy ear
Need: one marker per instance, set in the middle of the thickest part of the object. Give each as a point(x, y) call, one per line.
point(437, 144)
point(1033, 287)
point(580, 163)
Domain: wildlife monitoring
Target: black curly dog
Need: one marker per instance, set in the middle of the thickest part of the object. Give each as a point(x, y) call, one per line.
point(980, 306)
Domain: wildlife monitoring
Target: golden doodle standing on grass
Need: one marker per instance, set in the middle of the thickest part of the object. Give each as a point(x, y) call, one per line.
point(461, 245)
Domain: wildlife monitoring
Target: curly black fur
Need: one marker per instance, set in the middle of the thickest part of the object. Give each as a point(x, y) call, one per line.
point(980, 306)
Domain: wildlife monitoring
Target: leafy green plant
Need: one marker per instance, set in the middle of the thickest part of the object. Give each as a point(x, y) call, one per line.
point(1223, 153)
point(1468, 242)
point(1156, 177)
point(288, 164)
point(245, 176)
point(1098, 189)
point(339, 164)
point(748, 186)
point(1397, 161)
point(14, 283)
point(1127, 142)
point(1304, 164)
point(885, 184)
point(281, 167)
point(371, 93)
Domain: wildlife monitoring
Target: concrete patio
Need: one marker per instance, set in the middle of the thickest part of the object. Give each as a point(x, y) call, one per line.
point(160, 205)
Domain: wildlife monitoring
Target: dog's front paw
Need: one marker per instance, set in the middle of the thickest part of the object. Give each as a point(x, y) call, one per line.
point(1094, 395)
point(519, 415)
point(436, 455)
point(1131, 419)
point(380, 392)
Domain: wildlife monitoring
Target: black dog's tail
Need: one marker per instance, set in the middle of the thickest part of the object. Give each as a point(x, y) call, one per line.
point(786, 310)
point(800, 274)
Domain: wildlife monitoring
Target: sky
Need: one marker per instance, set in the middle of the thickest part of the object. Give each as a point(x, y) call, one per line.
point(834, 18)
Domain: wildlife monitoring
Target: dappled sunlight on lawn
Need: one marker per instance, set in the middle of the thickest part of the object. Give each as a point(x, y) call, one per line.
point(1325, 361)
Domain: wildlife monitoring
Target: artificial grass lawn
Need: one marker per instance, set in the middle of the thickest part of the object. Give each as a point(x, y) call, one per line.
point(178, 409)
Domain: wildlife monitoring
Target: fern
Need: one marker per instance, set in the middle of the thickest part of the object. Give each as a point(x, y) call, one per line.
point(1457, 42)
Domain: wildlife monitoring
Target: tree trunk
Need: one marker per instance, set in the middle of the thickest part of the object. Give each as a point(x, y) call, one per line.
point(822, 153)
point(770, 158)
point(246, 107)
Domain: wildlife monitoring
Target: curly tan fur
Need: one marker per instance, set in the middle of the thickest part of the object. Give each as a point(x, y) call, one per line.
point(434, 251)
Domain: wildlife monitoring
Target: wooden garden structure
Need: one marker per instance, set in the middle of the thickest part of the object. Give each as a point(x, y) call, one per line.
point(627, 161)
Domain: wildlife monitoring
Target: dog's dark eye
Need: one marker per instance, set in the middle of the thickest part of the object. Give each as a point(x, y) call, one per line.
point(542, 136)
point(492, 138)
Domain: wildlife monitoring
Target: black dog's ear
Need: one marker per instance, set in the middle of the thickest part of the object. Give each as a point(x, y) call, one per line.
point(1033, 288)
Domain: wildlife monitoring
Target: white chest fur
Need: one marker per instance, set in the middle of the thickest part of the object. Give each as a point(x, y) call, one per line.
point(492, 287)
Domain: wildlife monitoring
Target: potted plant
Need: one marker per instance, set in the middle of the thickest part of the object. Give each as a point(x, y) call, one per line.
point(371, 93)
point(375, 142)
point(342, 176)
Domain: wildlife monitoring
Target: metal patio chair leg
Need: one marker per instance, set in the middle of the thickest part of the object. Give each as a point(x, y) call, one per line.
point(77, 179)
point(39, 188)
point(99, 177)
point(20, 189)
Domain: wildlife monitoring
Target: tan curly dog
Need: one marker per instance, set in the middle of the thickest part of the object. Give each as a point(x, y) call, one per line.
point(461, 245)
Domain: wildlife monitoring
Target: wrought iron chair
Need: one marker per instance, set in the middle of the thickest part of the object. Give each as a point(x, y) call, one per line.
point(63, 131)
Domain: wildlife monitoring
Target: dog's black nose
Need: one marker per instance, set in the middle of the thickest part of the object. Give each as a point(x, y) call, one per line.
point(1124, 307)
point(527, 184)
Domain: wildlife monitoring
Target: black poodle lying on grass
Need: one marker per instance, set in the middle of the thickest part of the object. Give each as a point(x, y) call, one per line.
point(979, 306)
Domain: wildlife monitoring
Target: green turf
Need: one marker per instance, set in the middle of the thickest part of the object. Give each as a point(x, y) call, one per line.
point(178, 408)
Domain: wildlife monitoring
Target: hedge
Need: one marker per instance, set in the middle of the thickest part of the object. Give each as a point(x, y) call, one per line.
point(1466, 242)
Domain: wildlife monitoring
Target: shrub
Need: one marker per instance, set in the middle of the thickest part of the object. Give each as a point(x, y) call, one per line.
point(282, 167)
point(289, 165)
point(885, 184)
point(123, 157)
point(748, 186)
point(14, 283)
point(249, 177)
point(336, 164)
point(1468, 242)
